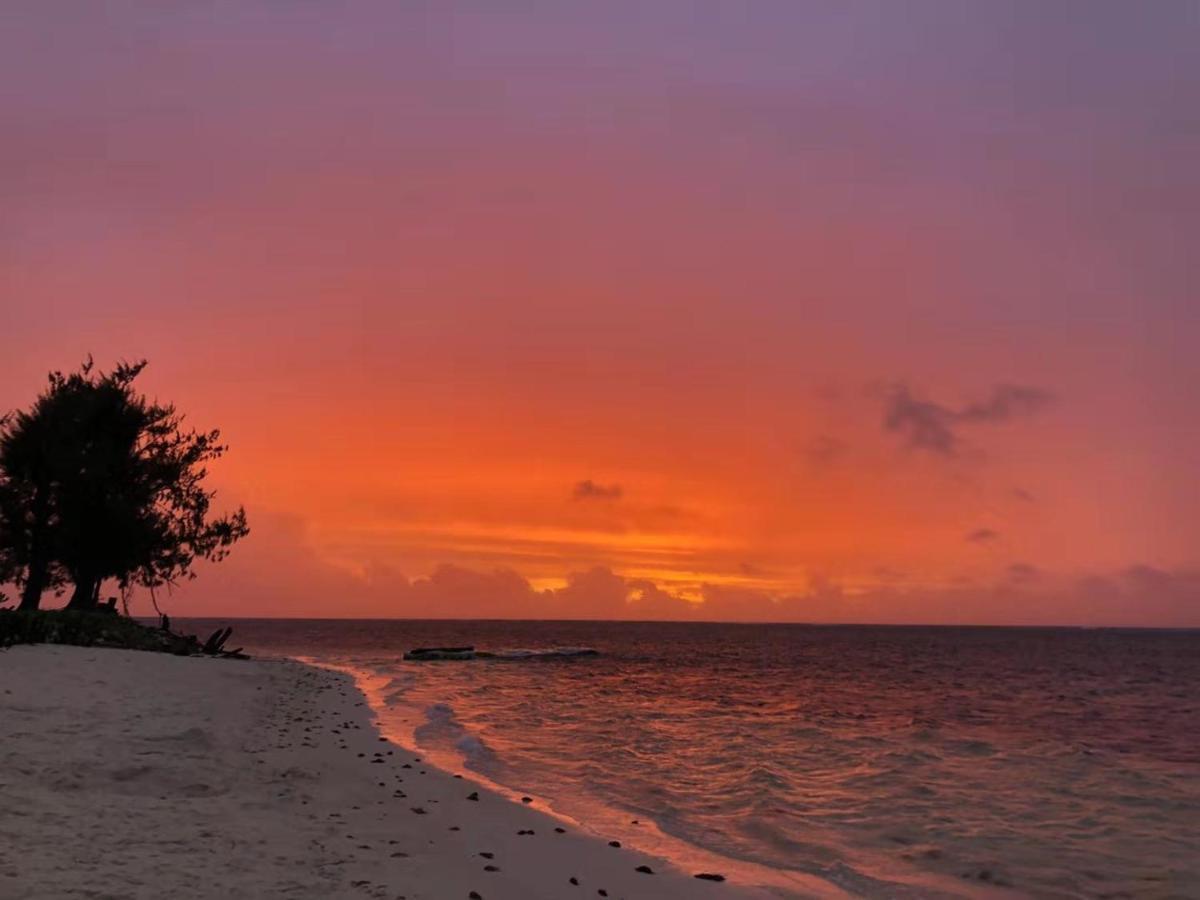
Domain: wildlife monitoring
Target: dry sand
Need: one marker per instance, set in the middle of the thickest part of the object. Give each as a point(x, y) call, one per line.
point(127, 774)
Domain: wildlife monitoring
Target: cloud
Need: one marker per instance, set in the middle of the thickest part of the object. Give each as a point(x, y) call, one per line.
point(1007, 401)
point(925, 425)
point(598, 587)
point(453, 590)
point(982, 536)
point(277, 573)
point(590, 490)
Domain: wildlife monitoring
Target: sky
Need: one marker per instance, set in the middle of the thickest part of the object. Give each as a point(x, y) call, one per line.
point(770, 311)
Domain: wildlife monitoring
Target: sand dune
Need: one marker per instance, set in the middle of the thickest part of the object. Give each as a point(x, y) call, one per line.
point(126, 774)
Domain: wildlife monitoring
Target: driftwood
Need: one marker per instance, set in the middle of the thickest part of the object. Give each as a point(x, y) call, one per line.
point(216, 641)
point(189, 644)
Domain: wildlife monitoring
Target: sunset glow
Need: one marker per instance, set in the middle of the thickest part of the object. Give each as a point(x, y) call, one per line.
point(641, 311)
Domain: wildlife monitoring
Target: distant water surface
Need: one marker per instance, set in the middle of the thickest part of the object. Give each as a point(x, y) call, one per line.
point(1053, 762)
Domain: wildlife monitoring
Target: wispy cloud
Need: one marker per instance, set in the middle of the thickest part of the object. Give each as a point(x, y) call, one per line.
point(934, 427)
point(590, 490)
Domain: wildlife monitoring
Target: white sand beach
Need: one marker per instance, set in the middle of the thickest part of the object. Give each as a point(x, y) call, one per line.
point(126, 774)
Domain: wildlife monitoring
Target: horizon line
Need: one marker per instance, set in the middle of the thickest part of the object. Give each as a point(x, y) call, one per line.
point(1026, 626)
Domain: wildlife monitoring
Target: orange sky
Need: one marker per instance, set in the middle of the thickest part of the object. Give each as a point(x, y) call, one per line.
point(842, 314)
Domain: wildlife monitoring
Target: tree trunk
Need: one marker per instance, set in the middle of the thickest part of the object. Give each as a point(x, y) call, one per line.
point(86, 594)
point(39, 566)
point(35, 583)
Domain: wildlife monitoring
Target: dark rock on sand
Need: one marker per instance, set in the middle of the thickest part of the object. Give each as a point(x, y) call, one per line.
point(710, 876)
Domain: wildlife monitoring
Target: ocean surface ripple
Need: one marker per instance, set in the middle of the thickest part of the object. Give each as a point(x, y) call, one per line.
point(1055, 762)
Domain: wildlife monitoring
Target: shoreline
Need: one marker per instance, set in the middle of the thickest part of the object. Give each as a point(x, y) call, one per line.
point(642, 835)
point(135, 774)
point(664, 851)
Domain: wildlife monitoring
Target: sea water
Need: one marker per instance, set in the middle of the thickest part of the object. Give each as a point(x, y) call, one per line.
point(1048, 762)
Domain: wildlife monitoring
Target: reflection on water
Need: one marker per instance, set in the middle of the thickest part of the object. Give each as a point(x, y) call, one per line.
point(1055, 762)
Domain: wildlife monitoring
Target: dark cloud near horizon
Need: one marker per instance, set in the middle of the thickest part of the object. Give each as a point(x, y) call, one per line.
point(925, 425)
point(280, 563)
point(591, 490)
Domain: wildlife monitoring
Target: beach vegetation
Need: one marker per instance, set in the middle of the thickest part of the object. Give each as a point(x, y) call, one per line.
point(105, 628)
point(100, 484)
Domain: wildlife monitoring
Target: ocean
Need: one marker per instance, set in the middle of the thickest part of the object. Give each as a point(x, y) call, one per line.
point(888, 761)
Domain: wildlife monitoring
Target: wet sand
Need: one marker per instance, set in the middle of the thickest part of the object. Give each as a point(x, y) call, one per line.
point(127, 774)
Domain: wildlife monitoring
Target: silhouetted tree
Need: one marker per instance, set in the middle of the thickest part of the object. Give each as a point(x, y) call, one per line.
point(33, 444)
point(105, 484)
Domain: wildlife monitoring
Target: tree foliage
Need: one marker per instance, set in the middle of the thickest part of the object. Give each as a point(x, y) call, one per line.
point(98, 482)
